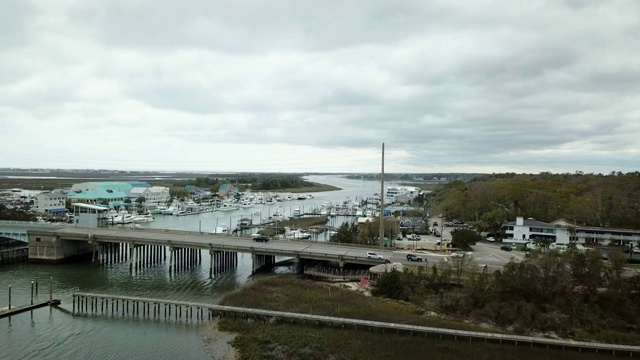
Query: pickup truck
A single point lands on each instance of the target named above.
(414, 257)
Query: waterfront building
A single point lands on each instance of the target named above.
(227, 189)
(155, 195)
(50, 203)
(407, 192)
(101, 192)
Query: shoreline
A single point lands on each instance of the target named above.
(217, 343)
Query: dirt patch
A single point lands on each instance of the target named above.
(218, 343)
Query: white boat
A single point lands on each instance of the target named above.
(122, 219)
(220, 230)
(143, 218)
(228, 207)
(297, 234)
(170, 210)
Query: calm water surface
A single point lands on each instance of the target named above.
(52, 334)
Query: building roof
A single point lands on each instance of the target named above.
(51, 195)
(157, 189)
(138, 190)
(533, 222)
(225, 187)
(89, 206)
(97, 194)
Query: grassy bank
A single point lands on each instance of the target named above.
(288, 341)
(309, 189)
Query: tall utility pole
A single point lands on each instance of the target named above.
(382, 202)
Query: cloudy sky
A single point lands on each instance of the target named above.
(281, 86)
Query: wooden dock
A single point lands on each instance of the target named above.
(20, 309)
(158, 309)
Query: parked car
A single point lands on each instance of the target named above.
(261, 238)
(458, 255)
(372, 255)
(443, 241)
(636, 250)
(414, 257)
(506, 248)
(491, 239)
(414, 237)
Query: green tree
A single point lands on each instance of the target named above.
(464, 238)
(346, 234)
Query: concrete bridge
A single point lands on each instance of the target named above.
(17, 230)
(141, 247)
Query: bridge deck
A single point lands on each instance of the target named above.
(192, 239)
(385, 326)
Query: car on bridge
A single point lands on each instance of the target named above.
(414, 257)
(372, 255)
(261, 238)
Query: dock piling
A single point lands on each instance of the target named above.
(9, 297)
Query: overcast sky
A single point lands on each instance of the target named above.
(297, 86)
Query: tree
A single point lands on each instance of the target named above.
(464, 238)
(141, 200)
(346, 234)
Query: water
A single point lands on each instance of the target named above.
(50, 333)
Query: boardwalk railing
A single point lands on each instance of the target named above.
(335, 274)
(130, 306)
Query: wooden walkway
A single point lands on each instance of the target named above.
(20, 309)
(90, 303)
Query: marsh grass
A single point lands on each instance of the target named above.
(279, 340)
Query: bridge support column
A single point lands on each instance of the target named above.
(341, 264)
(130, 251)
(171, 261)
(211, 252)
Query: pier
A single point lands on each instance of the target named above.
(11, 311)
(169, 310)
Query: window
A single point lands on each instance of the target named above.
(38, 239)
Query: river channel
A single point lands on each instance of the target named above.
(52, 334)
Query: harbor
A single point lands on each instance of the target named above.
(58, 334)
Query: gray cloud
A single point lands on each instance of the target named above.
(300, 86)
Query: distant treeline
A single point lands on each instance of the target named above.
(254, 182)
(273, 182)
(587, 199)
(415, 177)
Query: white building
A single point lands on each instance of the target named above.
(600, 235)
(394, 191)
(523, 231)
(559, 232)
(50, 203)
(154, 195)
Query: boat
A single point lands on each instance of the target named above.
(220, 230)
(143, 218)
(170, 210)
(122, 219)
(297, 234)
(228, 207)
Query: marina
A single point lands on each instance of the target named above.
(57, 334)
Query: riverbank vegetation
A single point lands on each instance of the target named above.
(573, 294)
(15, 214)
(294, 341)
(586, 199)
